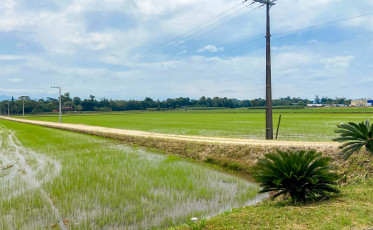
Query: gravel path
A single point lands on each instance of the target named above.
(220, 140)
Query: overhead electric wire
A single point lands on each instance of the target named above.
(255, 40)
(178, 37)
(221, 25)
(192, 62)
(245, 44)
(191, 30)
(200, 25)
(282, 33)
(323, 24)
(201, 32)
(204, 32)
(290, 31)
(300, 29)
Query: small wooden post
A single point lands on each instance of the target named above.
(278, 126)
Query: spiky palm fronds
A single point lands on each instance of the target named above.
(299, 174)
(355, 137)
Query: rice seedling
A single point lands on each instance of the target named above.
(76, 181)
(301, 124)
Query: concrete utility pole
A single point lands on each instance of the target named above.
(23, 105)
(60, 107)
(269, 118)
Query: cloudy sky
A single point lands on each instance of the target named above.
(124, 49)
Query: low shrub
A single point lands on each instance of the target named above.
(303, 175)
(234, 167)
(355, 136)
(210, 160)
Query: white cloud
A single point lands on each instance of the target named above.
(290, 14)
(19, 91)
(313, 42)
(210, 48)
(111, 61)
(15, 80)
(337, 62)
(288, 60)
(11, 57)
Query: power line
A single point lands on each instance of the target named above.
(282, 33)
(194, 28)
(201, 32)
(198, 33)
(300, 29)
(278, 34)
(195, 61)
(167, 45)
(323, 24)
(245, 44)
(222, 24)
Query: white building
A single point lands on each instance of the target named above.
(315, 105)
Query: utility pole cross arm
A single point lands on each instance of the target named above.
(265, 2)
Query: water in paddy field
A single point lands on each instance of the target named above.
(116, 187)
(22, 172)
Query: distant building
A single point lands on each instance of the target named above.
(315, 105)
(370, 103)
(67, 108)
(362, 102)
(339, 105)
(64, 108)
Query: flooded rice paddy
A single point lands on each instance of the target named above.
(52, 178)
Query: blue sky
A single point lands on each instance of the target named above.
(121, 49)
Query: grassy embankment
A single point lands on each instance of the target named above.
(300, 124)
(98, 183)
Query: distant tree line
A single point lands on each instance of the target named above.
(330, 101)
(103, 104)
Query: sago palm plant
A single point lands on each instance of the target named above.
(301, 174)
(355, 137)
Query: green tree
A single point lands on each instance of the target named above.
(317, 99)
(92, 98)
(77, 101)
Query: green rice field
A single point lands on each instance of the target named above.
(297, 124)
(54, 179)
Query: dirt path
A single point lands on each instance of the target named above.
(220, 140)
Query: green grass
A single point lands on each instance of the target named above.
(310, 124)
(98, 183)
